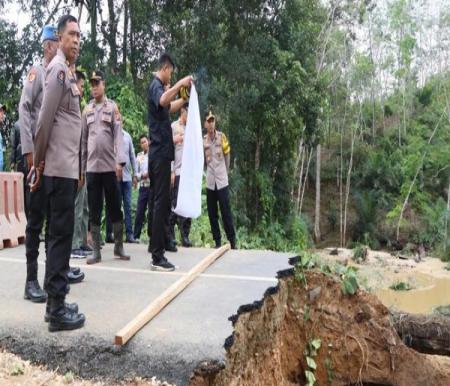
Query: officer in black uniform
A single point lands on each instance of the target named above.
(160, 103)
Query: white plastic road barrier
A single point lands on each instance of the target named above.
(189, 200)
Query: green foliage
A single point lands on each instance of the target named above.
(276, 73)
(306, 262)
(310, 352)
(348, 275)
(68, 377)
(401, 286)
(360, 253)
(442, 310)
(17, 370)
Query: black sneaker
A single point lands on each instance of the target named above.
(171, 247)
(131, 240)
(77, 254)
(86, 249)
(163, 265)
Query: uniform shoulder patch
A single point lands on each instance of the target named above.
(225, 144)
(31, 75)
(61, 77)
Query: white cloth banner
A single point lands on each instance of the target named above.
(189, 200)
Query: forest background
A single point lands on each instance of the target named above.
(337, 111)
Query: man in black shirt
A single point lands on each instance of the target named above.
(161, 102)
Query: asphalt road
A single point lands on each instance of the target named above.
(190, 329)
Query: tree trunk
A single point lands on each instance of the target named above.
(317, 234)
(131, 9)
(301, 155)
(299, 158)
(111, 36)
(347, 189)
(125, 39)
(257, 195)
(428, 334)
(446, 220)
(304, 181)
(93, 16)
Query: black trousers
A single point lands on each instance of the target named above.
(60, 193)
(222, 197)
(141, 209)
(159, 206)
(184, 223)
(26, 190)
(37, 210)
(99, 185)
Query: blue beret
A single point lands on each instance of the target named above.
(49, 33)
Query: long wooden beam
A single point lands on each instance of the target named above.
(157, 305)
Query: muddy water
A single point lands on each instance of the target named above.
(430, 293)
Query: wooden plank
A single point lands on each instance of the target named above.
(156, 306)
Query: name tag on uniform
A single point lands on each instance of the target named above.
(107, 116)
(74, 88)
(90, 118)
(218, 150)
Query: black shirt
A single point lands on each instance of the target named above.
(160, 130)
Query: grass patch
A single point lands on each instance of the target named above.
(401, 286)
(442, 310)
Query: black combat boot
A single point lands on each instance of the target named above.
(96, 256)
(34, 292)
(233, 243)
(184, 231)
(70, 307)
(171, 244)
(118, 241)
(218, 243)
(61, 318)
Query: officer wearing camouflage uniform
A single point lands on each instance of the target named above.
(57, 169)
(217, 159)
(29, 107)
(103, 160)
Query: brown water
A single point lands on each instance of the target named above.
(431, 292)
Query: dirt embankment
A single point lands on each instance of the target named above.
(316, 334)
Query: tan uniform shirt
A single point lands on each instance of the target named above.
(142, 168)
(177, 128)
(30, 105)
(58, 134)
(217, 158)
(102, 138)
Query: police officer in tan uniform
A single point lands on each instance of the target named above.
(103, 160)
(217, 159)
(184, 223)
(29, 107)
(57, 160)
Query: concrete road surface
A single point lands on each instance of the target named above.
(190, 329)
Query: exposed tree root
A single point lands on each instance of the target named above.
(428, 334)
(358, 341)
